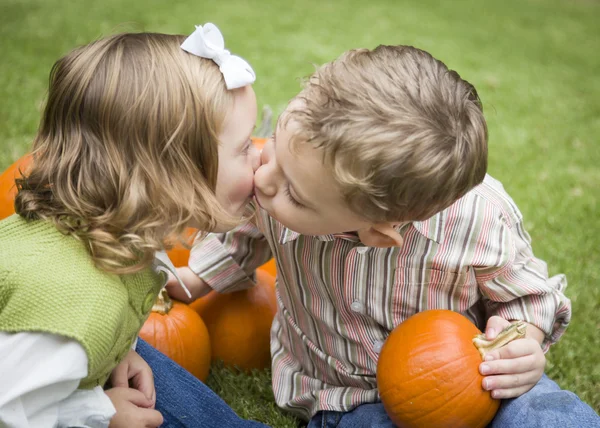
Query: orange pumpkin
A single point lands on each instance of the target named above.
(239, 323)
(259, 142)
(177, 331)
(180, 255)
(8, 190)
(270, 267)
(428, 373)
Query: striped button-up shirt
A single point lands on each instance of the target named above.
(338, 300)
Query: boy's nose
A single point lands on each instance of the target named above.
(263, 180)
(265, 177)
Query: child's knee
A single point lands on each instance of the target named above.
(543, 406)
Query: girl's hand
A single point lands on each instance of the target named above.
(135, 372)
(132, 409)
(515, 368)
(194, 284)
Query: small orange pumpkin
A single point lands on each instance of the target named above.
(8, 190)
(428, 373)
(177, 331)
(239, 323)
(180, 255)
(259, 142)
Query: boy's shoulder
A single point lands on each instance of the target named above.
(488, 200)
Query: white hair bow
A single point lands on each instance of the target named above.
(208, 42)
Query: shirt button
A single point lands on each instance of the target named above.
(377, 346)
(362, 250)
(356, 306)
(148, 302)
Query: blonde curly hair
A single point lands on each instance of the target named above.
(126, 153)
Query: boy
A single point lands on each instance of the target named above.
(373, 198)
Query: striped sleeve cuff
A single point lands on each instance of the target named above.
(550, 311)
(211, 261)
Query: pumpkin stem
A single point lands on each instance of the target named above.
(265, 130)
(163, 303)
(510, 333)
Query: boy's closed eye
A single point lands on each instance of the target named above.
(291, 197)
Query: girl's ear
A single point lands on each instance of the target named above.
(382, 235)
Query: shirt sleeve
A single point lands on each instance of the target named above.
(227, 261)
(515, 284)
(44, 371)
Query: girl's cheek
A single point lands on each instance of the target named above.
(244, 188)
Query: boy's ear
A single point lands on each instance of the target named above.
(382, 235)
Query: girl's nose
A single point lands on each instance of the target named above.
(255, 154)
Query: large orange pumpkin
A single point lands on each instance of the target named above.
(428, 373)
(8, 189)
(239, 323)
(177, 331)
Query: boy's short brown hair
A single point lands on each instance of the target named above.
(403, 136)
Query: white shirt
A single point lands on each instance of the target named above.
(39, 375)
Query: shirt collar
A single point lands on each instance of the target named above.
(163, 264)
(432, 228)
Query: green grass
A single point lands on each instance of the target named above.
(534, 62)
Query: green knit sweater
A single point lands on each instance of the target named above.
(49, 284)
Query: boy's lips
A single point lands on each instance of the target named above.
(258, 195)
(256, 198)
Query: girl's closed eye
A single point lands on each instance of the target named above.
(291, 198)
(247, 147)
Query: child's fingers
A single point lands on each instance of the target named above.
(153, 418)
(136, 397)
(509, 366)
(119, 376)
(494, 326)
(176, 292)
(500, 394)
(515, 349)
(510, 381)
(144, 382)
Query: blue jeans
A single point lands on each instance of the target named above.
(183, 400)
(544, 406)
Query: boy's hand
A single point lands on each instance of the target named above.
(132, 409)
(194, 284)
(135, 370)
(515, 368)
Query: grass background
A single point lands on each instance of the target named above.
(536, 65)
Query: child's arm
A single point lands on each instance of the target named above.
(39, 374)
(514, 285)
(224, 262)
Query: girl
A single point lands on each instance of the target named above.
(141, 137)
